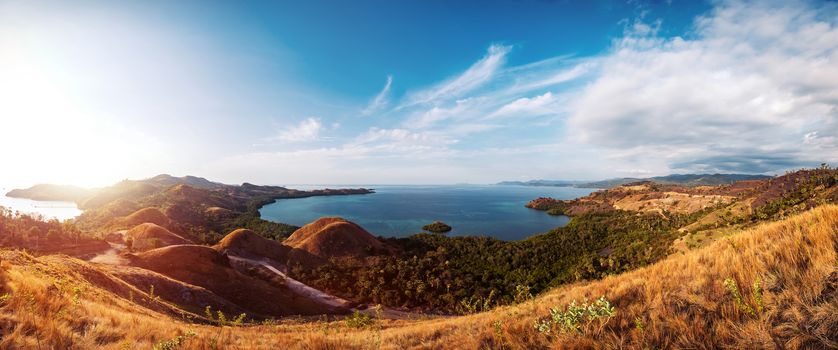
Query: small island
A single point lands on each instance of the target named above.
(437, 227)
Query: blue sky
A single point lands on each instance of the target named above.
(415, 92)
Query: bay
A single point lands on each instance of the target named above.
(399, 211)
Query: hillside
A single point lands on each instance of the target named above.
(773, 285)
(261, 295)
(689, 180)
(48, 192)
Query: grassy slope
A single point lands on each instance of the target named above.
(680, 302)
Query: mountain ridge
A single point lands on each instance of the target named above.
(691, 180)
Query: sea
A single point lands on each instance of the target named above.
(48, 209)
(399, 211)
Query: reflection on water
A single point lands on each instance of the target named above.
(58, 210)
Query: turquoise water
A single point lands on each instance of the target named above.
(399, 211)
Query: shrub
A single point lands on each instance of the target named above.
(570, 319)
(358, 320)
(756, 295)
(174, 343)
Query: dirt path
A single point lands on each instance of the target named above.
(297, 286)
(110, 256)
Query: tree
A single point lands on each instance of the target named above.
(54, 235)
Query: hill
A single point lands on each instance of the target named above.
(556, 183)
(689, 180)
(48, 192)
(262, 296)
(249, 244)
(243, 243)
(167, 180)
(770, 286)
(144, 215)
(335, 238)
(150, 236)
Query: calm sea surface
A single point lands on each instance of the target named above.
(58, 210)
(399, 211)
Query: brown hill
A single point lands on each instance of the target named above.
(219, 213)
(149, 236)
(335, 237)
(151, 215)
(249, 244)
(204, 266)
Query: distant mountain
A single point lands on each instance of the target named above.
(556, 183)
(690, 180)
(86, 198)
(48, 192)
(194, 181)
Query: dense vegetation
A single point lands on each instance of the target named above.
(447, 274)
(34, 233)
(191, 219)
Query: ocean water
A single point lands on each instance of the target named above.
(399, 211)
(48, 209)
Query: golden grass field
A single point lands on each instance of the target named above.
(56, 302)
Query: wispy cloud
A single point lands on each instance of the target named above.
(306, 130)
(381, 100)
(538, 105)
(475, 76)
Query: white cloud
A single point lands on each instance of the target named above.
(524, 106)
(400, 135)
(306, 130)
(381, 100)
(755, 79)
(478, 74)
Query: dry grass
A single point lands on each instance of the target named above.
(674, 202)
(681, 302)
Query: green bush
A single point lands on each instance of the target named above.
(358, 320)
(576, 318)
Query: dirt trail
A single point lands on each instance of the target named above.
(297, 286)
(110, 256)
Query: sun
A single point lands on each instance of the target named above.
(50, 133)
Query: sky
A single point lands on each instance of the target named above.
(414, 92)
